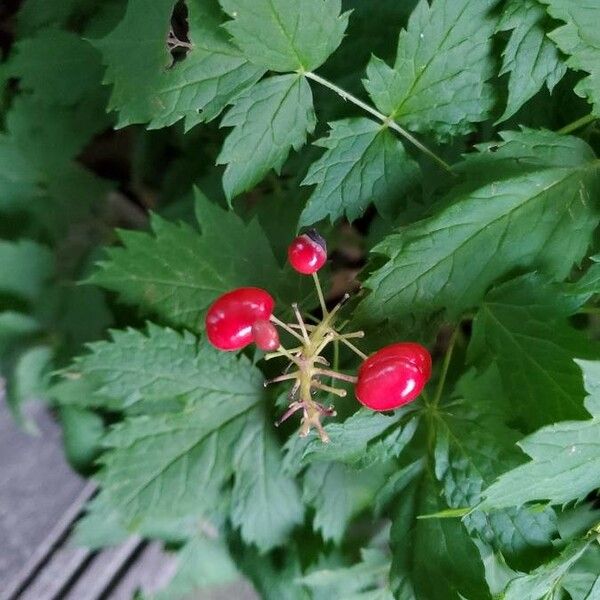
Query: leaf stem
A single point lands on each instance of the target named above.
(445, 366)
(577, 124)
(387, 121)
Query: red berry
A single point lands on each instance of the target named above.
(393, 376)
(308, 252)
(265, 335)
(230, 319)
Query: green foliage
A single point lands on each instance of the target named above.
(482, 244)
(438, 82)
(363, 161)
(578, 38)
(530, 57)
(283, 35)
(565, 463)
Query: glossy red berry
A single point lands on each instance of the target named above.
(393, 376)
(230, 319)
(265, 335)
(308, 252)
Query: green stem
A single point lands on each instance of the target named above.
(320, 294)
(577, 124)
(389, 122)
(445, 366)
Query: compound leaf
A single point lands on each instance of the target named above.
(268, 121)
(438, 82)
(285, 35)
(364, 163)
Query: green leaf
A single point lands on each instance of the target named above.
(177, 464)
(161, 366)
(265, 503)
(522, 327)
(530, 57)
(284, 35)
(565, 463)
(57, 66)
(472, 448)
(438, 82)
(546, 581)
(338, 493)
(268, 121)
(26, 268)
(526, 203)
(362, 439)
(580, 39)
(364, 163)
(202, 564)
(148, 87)
(589, 284)
(177, 273)
(432, 558)
(363, 580)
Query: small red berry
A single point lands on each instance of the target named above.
(230, 318)
(265, 335)
(393, 376)
(308, 252)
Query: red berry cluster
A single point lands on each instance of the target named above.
(388, 379)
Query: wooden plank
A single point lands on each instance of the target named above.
(39, 495)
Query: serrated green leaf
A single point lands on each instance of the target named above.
(148, 87)
(363, 580)
(58, 66)
(338, 493)
(438, 82)
(565, 463)
(472, 448)
(284, 35)
(432, 558)
(364, 163)
(176, 464)
(362, 439)
(268, 121)
(580, 39)
(546, 579)
(202, 564)
(526, 203)
(529, 56)
(521, 326)
(178, 273)
(26, 268)
(161, 366)
(265, 502)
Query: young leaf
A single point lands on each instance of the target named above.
(580, 39)
(148, 87)
(521, 326)
(159, 367)
(565, 463)
(438, 82)
(526, 203)
(265, 503)
(530, 57)
(178, 273)
(268, 120)
(202, 564)
(364, 163)
(26, 268)
(285, 35)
